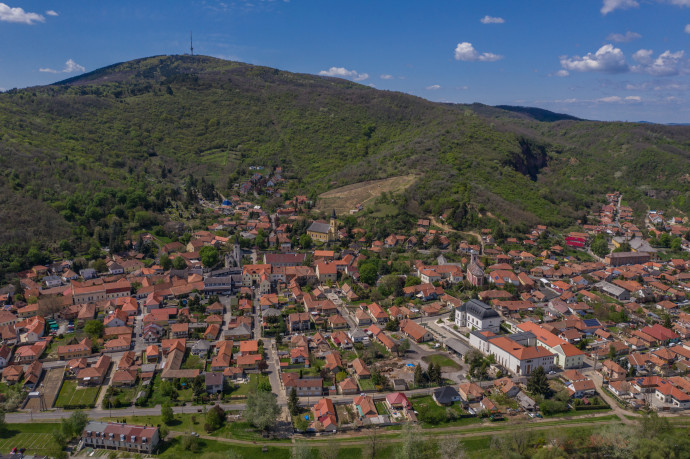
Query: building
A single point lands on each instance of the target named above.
(475, 273)
(627, 258)
(477, 315)
(324, 232)
(567, 355)
(123, 437)
(510, 352)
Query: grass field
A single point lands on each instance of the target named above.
(36, 438)
(366, 384)
(345, 198)
(72, 395)
(441, 359)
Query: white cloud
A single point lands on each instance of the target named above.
(607, 59)
(51, 13)
(491, 20)
(70, 67)
(624, 37)
(18, 15)
(612, 5)
(680, 2)
(342, 72)
(667, 63)
(433, 87)
(619, 100)
(687, 28)
(386, 77)
(643, 56)
(562, 73)
(466, 52)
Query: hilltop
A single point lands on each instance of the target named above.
(104, 154)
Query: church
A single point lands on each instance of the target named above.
(323, 232)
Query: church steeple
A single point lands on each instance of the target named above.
(334, 225)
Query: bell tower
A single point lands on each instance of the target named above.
(334, 227)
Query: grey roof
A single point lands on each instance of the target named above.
(319, 227)
(241, 329)
(456, 345)
(446, 394)
(271, 312)
(214, 379)
(610, 288)
(478, 309)
(201, 344)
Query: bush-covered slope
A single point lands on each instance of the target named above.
(97, 156)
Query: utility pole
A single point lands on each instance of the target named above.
(191, 44)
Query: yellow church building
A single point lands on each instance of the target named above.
(323, 232)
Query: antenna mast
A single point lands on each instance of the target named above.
(191, 44)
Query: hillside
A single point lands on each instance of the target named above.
(102, 155)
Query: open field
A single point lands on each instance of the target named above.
(73, 396)
(345, 198)
(50, 386)
(441, 359)
(35, 437)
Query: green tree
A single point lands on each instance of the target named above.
(538, 383)
(215, 418)
(167, 415)
(293, 402)
(94, 328)
(179, 263)
(368, 273)
(305, 241)
(403, 347)
(612, 352)
(420, 378)
(262, 410)
(600, 246)
(165, 262)
(209, 256)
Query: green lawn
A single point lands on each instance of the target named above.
(35, 437)
(429, 409)
(244, 389)
(73, 396)
(184, 422)
(157, 398)
(443, 360)
(366, 384)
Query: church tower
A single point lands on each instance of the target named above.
(334, 227)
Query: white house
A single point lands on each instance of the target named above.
(477, 315)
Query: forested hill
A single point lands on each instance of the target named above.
(101, 155)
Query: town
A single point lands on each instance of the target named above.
(350, 333)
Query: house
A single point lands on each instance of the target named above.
(477, 315)
(303, 387)
(33, 374)
(73, 351)
(27, 354)
(95, 374)
(124, 378)
(348, 387)
(249, 362)
(362, 318)
(123, 437)
(239, 333)
(179, 330)
(415, 331)
(446, 395)
(397, 401)
(470, 392)
(487, 405)
(12, 374)
(377, 313)
(298, 321)
(612, 370)
(325, 415)
(364, 406)
(213, 383)
(582, 388)
(5, 355)
(327, 271)
(667, 393)
(360, 369)
(201, 348)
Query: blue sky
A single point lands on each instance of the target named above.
(598, 59)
